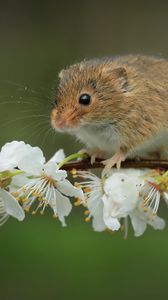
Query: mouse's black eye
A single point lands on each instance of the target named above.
(85, 99)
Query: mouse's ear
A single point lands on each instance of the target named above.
(119, 77)
(62, 74)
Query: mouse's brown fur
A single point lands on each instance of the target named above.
(129, 103)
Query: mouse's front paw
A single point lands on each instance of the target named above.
(93, 154)
(116, 159)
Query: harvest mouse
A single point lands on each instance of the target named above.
(115, 106)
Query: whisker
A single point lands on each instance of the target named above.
(38, 119)
(26, 89)
(53, 132)
(18, 102)
(5, 96)
(21, 99)
(23, 118)
(53, 135)
(37, 132)
(45, 137)
(20, 86)
(14, 83)
(34, 111)
(34, 124)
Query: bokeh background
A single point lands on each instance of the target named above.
(38, 258)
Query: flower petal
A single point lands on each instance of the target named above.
(157, 223)
(165, 197)
(121, 187)
(68, 189)
(51, 169)
(18, 154)
(12, 207)
(9, 155)
(60, 175)
(32, 161)
(138, 225)
(110, 221)
(64, 207)
(136, 175)
(58, 156)
(98, 222)
(122, 194)
(19, 180)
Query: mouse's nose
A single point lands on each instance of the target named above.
(65, 120)
(58, 121)
(61, 122)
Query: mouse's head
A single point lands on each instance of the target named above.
(89, 93)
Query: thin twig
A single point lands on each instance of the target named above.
(86, 164)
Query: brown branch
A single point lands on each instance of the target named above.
(86, 164)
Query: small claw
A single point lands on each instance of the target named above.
(84, 151)
(115, 160)
(106, 171)
(96, 154)
(92, 159)
(93, 154)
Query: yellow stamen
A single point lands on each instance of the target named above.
(27, 208)
(73, 171)
(55, 216)
(77, 202)
(86, 212)
(87, 190)
(25, 199)
(153, 216)
(15, 194)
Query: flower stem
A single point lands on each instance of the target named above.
(131, 163)
(8, 174)
(72, 157)
(16, 173)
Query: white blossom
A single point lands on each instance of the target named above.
(42, 181)
(110, 199)
(9, 206)
(17, 154)
(93, 193)
(140, 219)
(50, 187)
(120, 197)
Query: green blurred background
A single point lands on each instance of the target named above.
(38, 258)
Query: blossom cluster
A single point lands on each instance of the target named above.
(30, 180)
(30, 184)
(123, 195)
